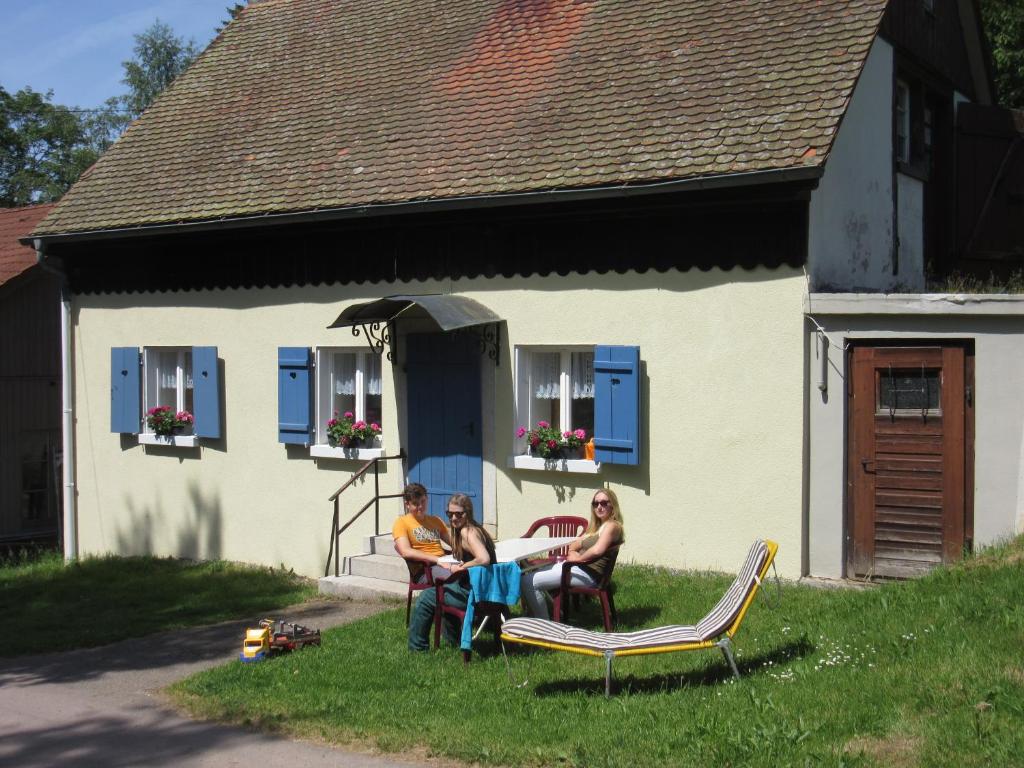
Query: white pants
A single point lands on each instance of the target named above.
(536, 583)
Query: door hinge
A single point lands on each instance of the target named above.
(969, 395)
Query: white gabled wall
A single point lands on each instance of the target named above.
(851, 238)
(722, 358)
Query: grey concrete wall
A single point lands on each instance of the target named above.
(996, 324)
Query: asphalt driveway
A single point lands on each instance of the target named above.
(101, 706)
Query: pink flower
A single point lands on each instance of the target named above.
(359, 425)
(581, 434)
(567, 434)
(552, 444)
(348, 415)
(521, 431)
(543, 424)
(184, 416)
(332, 422)
(535, 441)
(375, 426)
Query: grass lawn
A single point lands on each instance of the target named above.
(52, 606)
(923, 673)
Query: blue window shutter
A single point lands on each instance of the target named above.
(294, 395)
(617, 405)
(125, 390)
(205, 392)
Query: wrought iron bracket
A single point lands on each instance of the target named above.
(488, 337)
(378, 336)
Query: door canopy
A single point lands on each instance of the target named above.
(376, 319)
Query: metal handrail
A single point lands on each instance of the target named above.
(334, 550)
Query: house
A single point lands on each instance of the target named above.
(669, 223)
(30, 427)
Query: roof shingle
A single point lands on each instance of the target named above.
(16, 223)
(302, 105)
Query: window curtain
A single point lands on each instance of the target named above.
(582, 375)
(344, 374)
(372, 375)
(546, 373)
(167, 364)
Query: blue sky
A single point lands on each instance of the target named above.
(75, 47)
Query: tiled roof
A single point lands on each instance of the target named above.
(16, 223)
(302, 105)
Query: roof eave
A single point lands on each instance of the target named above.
(810, 173)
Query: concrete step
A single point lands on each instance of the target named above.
(362, 588)
(387, 567)
(379, 545)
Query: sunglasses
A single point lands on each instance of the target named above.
(456, 513)
(600, 503)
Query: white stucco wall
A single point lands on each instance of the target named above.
(722, 355)
(996, 324)
(850, 239)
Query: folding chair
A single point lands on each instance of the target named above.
(713, 631)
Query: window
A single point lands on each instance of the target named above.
(347, 382)
(40, 478)
(561, 389)
(902, 118)
(308, 395)
(182, 378)
(596, 389)
(168, 381)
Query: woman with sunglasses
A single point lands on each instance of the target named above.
(471, 545)
(590, 555)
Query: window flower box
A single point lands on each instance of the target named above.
(579, 466)
(361, 453)
(175, 441)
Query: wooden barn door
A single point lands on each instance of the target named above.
(909, 458)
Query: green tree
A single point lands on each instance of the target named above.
(1004, 27)
(44, 148)
(232, 11)
(160, 56)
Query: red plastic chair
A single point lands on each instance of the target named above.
(495, 613)
(603, 591)
(419, 579)
(560, 525)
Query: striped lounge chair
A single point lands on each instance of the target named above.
(713, 631)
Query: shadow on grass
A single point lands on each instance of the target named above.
(663, 683)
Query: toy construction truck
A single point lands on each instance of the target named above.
(276, 636)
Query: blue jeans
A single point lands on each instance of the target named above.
(421, 623)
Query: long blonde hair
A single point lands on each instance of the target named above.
(616, 514)
(463, 502)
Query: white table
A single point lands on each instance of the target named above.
(509, 550)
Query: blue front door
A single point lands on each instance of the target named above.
(443, 396)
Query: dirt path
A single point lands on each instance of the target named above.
(101, 706)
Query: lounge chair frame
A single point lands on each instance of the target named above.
(721, 640)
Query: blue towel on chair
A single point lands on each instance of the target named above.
(495, 583)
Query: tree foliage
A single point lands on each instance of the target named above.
(160, 56)
(1004, 27)
(232, 11)
(44, 148)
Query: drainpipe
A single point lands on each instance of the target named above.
(67, 426)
